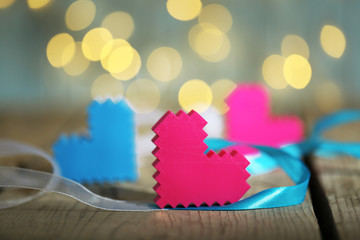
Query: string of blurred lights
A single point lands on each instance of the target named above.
(109, 45)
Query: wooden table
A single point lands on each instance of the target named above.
(332, 205)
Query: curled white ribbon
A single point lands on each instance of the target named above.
(15, 177)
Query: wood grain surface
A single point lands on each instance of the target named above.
(340, 179)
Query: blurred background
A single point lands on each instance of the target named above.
(173, 54)
(159, 55)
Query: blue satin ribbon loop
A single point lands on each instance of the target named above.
(328, 148)
(333, 120)
(331, 149)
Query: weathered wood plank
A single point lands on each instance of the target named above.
(340, 178)
(55, 216)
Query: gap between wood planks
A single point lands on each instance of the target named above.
(321, 204)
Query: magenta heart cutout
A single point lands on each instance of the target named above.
(249, 119)
(185, 174)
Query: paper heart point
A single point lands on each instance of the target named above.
(185, 174)
(249, 119)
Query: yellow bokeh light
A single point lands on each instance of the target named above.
(273, 71)
(105, 86)
(221, 54)
(332, 41)
(206, 39)
(35, 4)
(297, 71)
(216, 15)
(78, 63)
(132, 70)
(195, 94)
(117, 56)
(60, 49)
(328, 97)
(6, 3)
(294, 44)
(120, 24)
(120, 59)
(184, 10)
(80, 15)
(164, 64)
(143, 96)
(109, 48)
(220, 91)
(94, 41)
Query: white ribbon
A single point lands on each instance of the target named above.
(15, 177)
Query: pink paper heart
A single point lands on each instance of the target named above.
(185, 175)
(249, 119)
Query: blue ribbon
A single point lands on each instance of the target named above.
(332, 148)
(288, 158)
